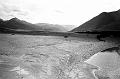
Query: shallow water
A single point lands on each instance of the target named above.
(106, 61)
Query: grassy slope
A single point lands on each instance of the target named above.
(33, 52)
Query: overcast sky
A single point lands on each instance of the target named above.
(73, 12)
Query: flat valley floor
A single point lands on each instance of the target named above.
(48, 57)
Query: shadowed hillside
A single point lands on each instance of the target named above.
(105, 21)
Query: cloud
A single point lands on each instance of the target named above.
(9, 11)
(59, 11)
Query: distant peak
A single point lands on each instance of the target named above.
(1, 19)
(118, 10)
(104, 12)
(15, 19)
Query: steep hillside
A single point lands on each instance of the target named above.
(114, 26)
(105, 20)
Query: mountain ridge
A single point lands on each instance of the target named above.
(104, 20)
(18, 24)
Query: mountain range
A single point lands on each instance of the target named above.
(51, 27)
(106, 21)
(17, 24)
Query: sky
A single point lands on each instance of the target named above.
(73, 12)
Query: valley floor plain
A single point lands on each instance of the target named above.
(41, 56)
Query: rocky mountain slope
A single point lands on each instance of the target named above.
(105, 21)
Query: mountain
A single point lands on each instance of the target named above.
(55, 27)
(1, 20)
(104, 21)
(114, 26)
(51, 27)
(18, 24)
